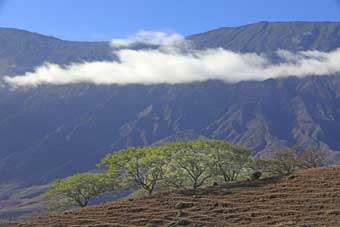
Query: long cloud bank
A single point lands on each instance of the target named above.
(174, 61)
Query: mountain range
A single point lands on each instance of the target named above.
(53, 131)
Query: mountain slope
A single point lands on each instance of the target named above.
(89, 121)
(311, 198)
(54, 131)
(66, 122)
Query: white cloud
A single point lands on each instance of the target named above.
(170, 64)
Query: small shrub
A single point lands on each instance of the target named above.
(291, 177)
(182, 205)
(256, 175)
(183, 222)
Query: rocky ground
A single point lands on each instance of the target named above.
(305, 199)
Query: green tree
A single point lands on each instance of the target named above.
(174, 178)
(190, 162)
(230, 160)
(141, 166)
(79, 188)
(312, 158)
(176, 165)
(266, 166)
(280, 163)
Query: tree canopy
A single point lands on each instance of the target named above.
(79, 188)
(179, 165)
(313, 158)
(143, 166)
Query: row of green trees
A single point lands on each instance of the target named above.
(177, 165)
(285, 162)
(185, 164)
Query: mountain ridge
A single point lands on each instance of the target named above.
(21, 30)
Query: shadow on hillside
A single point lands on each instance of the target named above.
(224, 189)
(250, 183)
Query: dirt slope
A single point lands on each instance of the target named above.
(310, 198)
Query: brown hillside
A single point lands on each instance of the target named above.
(310, 198)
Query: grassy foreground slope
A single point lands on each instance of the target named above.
(308, 198)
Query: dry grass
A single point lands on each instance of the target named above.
(311, 198)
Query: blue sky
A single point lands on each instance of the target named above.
(107, 19)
